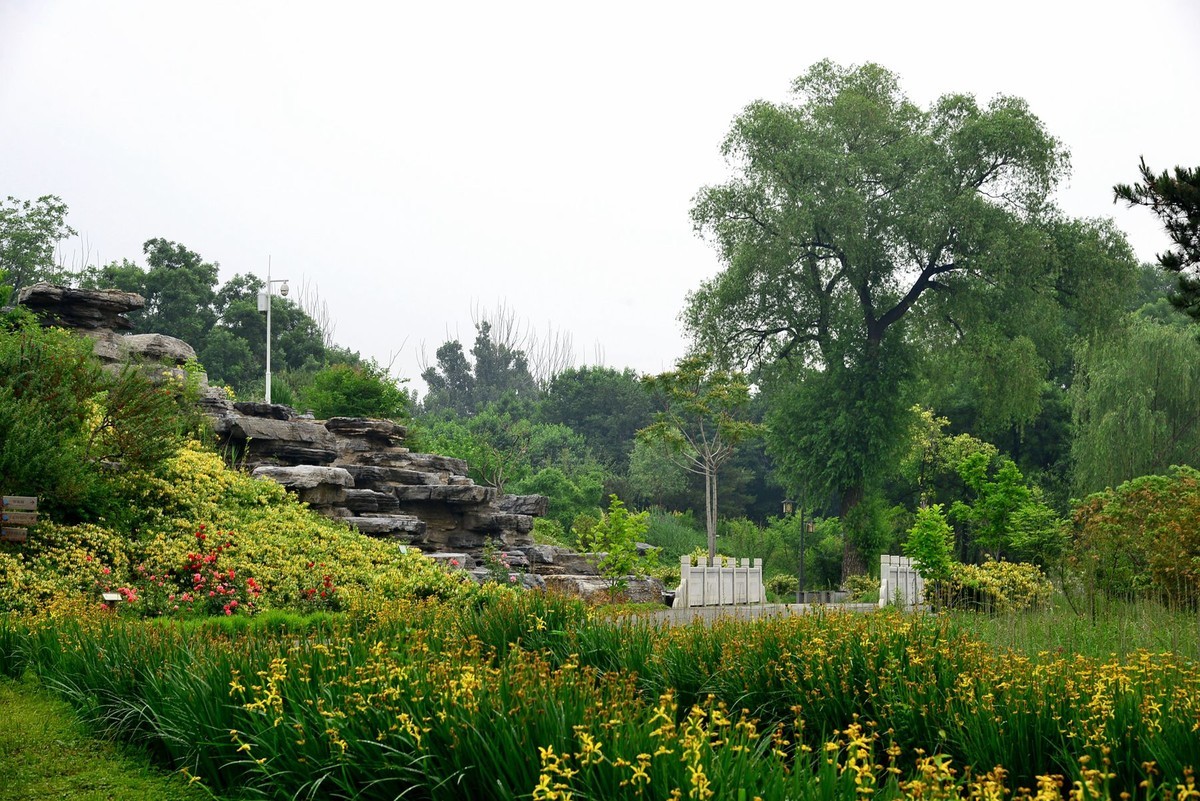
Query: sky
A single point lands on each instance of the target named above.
(415, 163)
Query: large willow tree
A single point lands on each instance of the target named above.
(851, 215)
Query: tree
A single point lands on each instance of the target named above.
(606, 407)
(458, 385)
(700, 423)
(930, 544)
(178, 285)
(1134, 404)
(29, 232)
(850, 211)
(616, 536)
(1175, 199)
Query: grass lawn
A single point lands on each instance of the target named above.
(46, 753)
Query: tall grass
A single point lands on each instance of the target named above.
(1123, 629)
(529, 696)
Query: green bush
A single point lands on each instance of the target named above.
(292, 553)
(354, 390)
(71, 432)
(1142, 538)
(784, 585)
(862, 589)
(675, 533)
(930, 544)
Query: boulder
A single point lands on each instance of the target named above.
(158, 348)
(497, 521)
(289, 442)
(432, 463)
(270, 411)
(80, 309)
(556, 560)
(383, 431)
(637, 590)
(388, 525)
(317, 486)
(305, 476)
(368, 501)
(462, 495)
(535, 505)
(379, 477)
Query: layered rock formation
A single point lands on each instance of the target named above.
(352, 469)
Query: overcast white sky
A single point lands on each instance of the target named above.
(416, 160)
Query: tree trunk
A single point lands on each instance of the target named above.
(854, 563)
(710, 510)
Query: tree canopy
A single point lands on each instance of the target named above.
(856, 226)
(29, 232)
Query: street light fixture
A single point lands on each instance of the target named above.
(264, 304)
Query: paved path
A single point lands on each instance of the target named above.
(708, 614)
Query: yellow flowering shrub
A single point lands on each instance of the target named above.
(999, 586)
(296, 557)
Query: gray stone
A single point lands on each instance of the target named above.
(80, 309)
(433, 463)
(535, 505)
(462, 561)
(391, 524)
(107, 346)
(156, 348)
(305, 476)
(556, 560)
(384, 431)
(366, 501)
(643, 590)
(468, 495)
(497, 521)
(374, 476)
(285, 441)
(271, 411)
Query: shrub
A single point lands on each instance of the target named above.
(66, 424)
(862, 589)
(348, 390)
(616, 535)
(675, 533)
(930, 544)
(997, 587)
(293, 554)
(784, 585)
(1142, 538)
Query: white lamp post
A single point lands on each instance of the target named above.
(264, 304)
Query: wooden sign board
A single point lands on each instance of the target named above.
(14, 534)
(28, 502)
(19, 518)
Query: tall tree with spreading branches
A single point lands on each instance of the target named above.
(852, 217)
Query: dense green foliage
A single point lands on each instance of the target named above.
(66, 425)
(353, 390)
(1142, 539)
(29, 232)
(858, 227)
(1134, 404)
